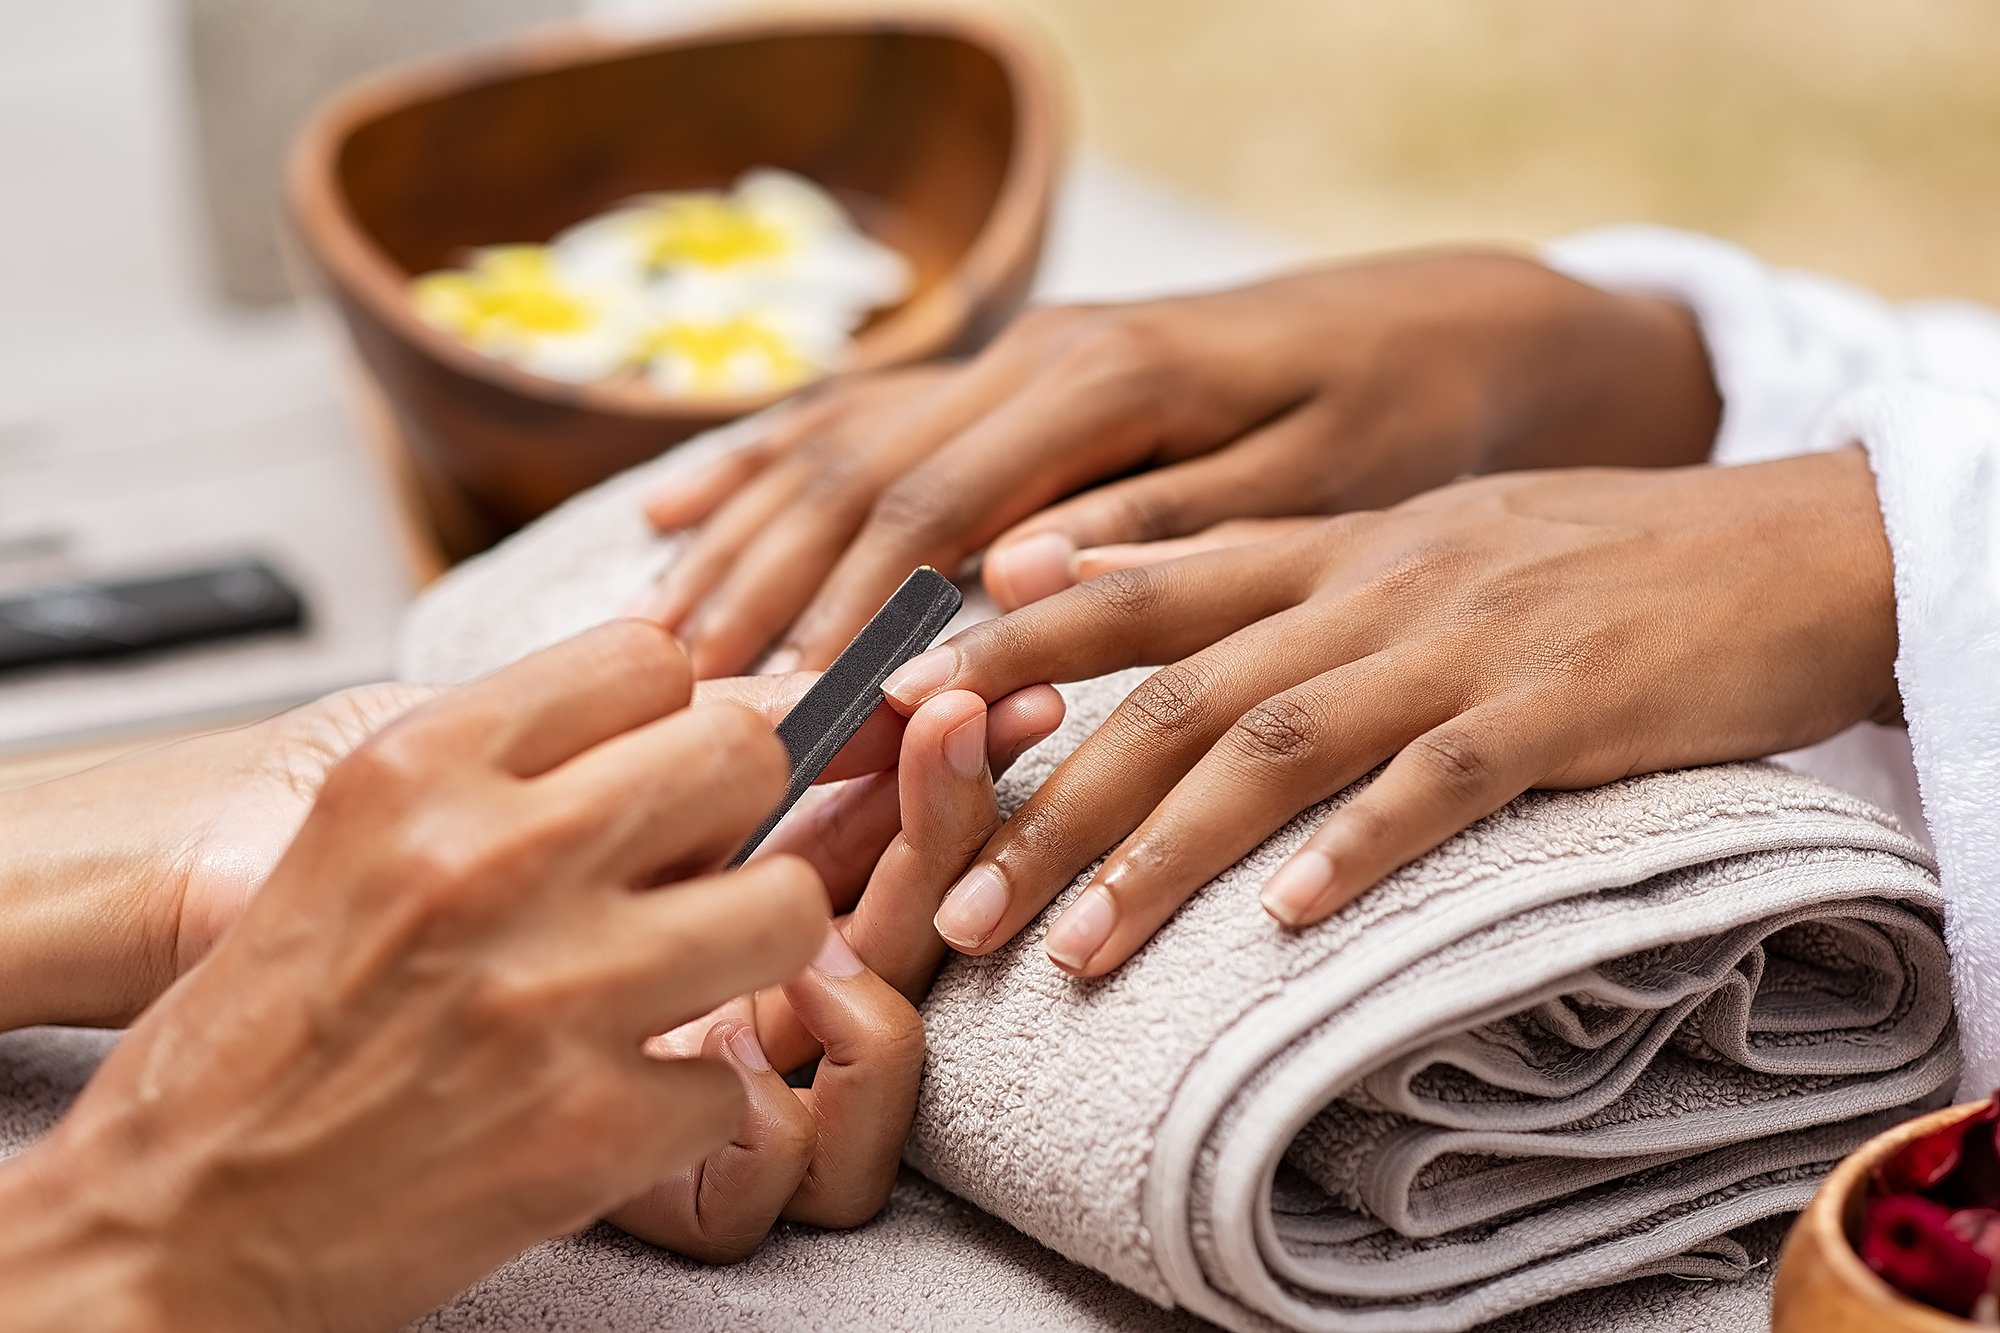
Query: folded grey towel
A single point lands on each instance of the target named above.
(930, 1264)
(1580, 1044)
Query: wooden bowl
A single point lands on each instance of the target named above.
(937, 131)
(1823, 1287)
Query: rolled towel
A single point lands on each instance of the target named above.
(1579, 1044)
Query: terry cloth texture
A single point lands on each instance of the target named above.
(929, 1264)
(1578, 1045)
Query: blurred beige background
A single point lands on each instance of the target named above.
(1860, 137)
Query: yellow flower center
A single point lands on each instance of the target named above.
(510, 289)
(705, 230)
(710, 350)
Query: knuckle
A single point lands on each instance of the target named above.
(900, 1042)
(920, 507)
(402, 760)
(1116, 351)
(1279, 732)
(508, 1001)
(1454, 761)
(839, 480)
(1038, 323)
(1133, 594)
(790, 1141)
(1147, 513)
(1169, 703)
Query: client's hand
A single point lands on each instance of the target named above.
(827, 1154)
(420, 1049)
(1331, 390)
(1552, 629)
(119, 879)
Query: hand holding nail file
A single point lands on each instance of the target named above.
(841, 699)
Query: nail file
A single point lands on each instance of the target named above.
(841, 699)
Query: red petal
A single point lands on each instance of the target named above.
(1928, 1162)
(1908, 1241)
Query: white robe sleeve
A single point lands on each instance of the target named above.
(1807, 363)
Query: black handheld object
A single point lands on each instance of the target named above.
(841, 700)
(77, 620)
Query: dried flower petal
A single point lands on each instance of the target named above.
(1926, 1163)
(1908, 1241)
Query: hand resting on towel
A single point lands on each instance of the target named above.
(423, 1045)
(1354, 386)
(1536, 629)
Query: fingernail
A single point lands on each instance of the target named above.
(1081, 931)
(921, 676)
(1298, 886)
(1030, 569)
(652, 604)
(835, 958)
(973, 908)
(782, 662)
(743, 1044)
(965, 746)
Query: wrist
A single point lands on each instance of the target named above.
(82, 939)
(1589, 377)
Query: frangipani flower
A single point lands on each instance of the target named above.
(516, 304)
(752, 291)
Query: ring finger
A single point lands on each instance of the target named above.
(1282, 756)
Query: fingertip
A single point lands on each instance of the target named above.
(744, 1049)
(788, 897)
(972, 911)
(1079, 934)
(712, 1102)
(1306, 889)
(1029, 568)
(920, 677)
(836, 958)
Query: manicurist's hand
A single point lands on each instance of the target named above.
(421, 1048)
(1550, 629)
(1345, 388)
(889, 845)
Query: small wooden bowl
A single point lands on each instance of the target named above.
(1823, 1287)
(939, 132)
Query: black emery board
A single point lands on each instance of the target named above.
(841, 699)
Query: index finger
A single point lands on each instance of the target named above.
(1145, 615)
(550, 706)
